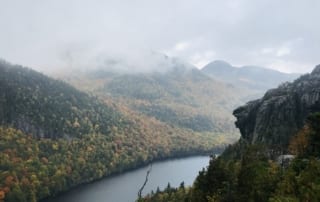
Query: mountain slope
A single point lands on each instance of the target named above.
(286, 118)
(252, 77)
(183, 96)
(54, 137)
(44, 107)
(281, 112)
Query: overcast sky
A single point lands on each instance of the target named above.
(279, 34)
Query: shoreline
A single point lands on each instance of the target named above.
(141, 166)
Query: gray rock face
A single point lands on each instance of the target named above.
(281, 112)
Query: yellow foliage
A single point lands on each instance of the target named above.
(55, 146)
(299, 143)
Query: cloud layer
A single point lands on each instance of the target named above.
(283, 35)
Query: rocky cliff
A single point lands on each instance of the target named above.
(281, 112)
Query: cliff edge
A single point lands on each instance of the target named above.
(281, 112)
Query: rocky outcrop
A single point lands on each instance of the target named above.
(281, 112)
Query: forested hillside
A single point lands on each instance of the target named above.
(261, 167)
(182, 96)
(44, 107)
(254, 177)
(54, 137)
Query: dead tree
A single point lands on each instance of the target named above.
(145, 182)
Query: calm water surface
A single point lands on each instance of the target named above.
(124, 187)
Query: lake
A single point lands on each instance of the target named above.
(124, 187)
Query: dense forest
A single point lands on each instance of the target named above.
(45, 107)
(54, 137)
(182, 96)
(256, 177)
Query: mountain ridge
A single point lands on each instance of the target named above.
(181, 92)
(54, 137)
(249, 76)
(45, 107)
(277, 157)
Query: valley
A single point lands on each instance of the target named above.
(277, 156)
(55, 137)
(159, 101)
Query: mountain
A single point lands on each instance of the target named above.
(252, 77)
(45, 107)
(54, 137)
(285, 118)
(182, 96)
(281, 112)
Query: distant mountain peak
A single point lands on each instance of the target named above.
(250, 76)
(218, 63)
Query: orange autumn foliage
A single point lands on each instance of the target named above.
(2, 195)
(9, 180)
(300, 142)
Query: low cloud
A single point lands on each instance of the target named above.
(51, 34)
(182, 46)
(283, 51)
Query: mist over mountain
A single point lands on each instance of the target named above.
(177, 93)
(54, 136)
(277, 157)
(180, 95)
(90, 89)
(252, 77)
(123, 62)
(45, 107)
(117, 119)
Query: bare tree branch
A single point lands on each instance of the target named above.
(145, 182)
